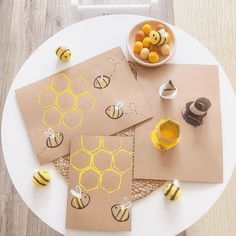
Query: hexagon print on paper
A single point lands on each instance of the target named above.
(80, 160)
(60, 82)
(111, 181)
(78, 85)
(102, 160)
(65, 101)
(123, 160)
(72, 119)
(47, 97)
(89, 179)
(52, 117)
(91, 146)
(85, 102)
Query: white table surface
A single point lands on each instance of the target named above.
(153, 215)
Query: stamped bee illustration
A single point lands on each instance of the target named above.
(80, 199)
(115, 111)
(101, 82)
(54, 139)
(120, 212)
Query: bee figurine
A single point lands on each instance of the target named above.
(172, 190)
(54, 139)
(41, 178)
(120, 212)
(80, 199)
(101, 82)
(158, 38)
(194, 111)
(63, 53)
(115, 111)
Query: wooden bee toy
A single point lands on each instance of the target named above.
(54, 139)
(120, 212)
(80, 199)
(158, 38)
(41, 178)
(172, 190)
(194, 111)
(63, 53)
(101, 82)
(115, 111)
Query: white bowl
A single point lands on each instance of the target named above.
(131, 41)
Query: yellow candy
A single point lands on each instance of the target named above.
(160, 26)
(144, 53)
(138, 46)
(153, 57)
(63, 53)
(146, 29)
(41, 178)
(153, 48)
(139, 36)
(165, 50)
(146, 42)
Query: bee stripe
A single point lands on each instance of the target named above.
(114, 110)
(168, 190)
(38, 181)
(123, 214)
(160, 37)
(80, 204)
(47, 180)
(58, 50)
(175, 193)
(163, 42)
(50, 143)
(99, 83)
(55, 140)
(118, 213)
(64, 53)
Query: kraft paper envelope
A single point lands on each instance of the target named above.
(99, 96)
(100, 183)
(198, 156)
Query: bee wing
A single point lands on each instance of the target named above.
(51, 132)
(127, 205)
(176, 182)
(75, 194)
(124, 201)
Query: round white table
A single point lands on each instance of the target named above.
(153, 215)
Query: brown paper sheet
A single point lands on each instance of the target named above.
(198, 156)
(97, 97)
(101, 170)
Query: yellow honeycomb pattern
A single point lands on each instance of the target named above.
(101, 165)
(65, 101)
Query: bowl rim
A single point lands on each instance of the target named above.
(148, 64)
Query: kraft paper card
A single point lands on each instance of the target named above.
(100, 183)
(198, 156)
(97, 97)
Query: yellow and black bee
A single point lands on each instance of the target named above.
(80, 199)
(54, 139)
(172, 190)
(158, 38)
(41, 178)
(101, 82)
(115, 111)
(120, 212)
(63, 53)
